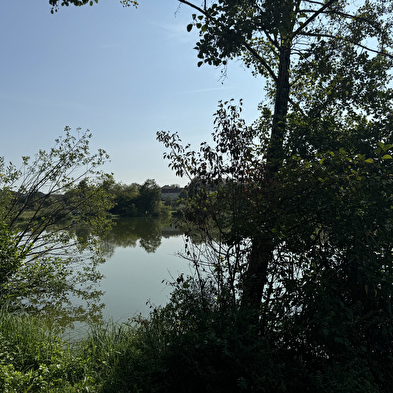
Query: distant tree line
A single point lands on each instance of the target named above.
(135, 200)
(127, 200)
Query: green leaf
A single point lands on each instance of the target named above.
(342, 151)
(384, 146)
(189, 27)
(370, 160)
(387, 157)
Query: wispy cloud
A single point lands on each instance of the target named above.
(175, 31)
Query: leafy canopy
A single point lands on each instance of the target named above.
(295, 210)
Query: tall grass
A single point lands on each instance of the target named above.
(113, 351)
(195, 343)
(33, 358)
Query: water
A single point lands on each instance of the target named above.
(140, 261)
(134, 277)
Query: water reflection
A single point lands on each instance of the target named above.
(118, 292)
(66, 309)
(145, 232)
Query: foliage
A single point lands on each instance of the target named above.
(201, 342)
(137, 200)
(33, 358)
(149, 197)
(124, 198)
(46, 204)
(295, 210)
(56, 3)
(326, 299)
(11, 257)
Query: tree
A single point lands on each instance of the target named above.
(46, 204)
(137, 200)
(299, 222)
(149, 199)
(303, 49)
(125, 197)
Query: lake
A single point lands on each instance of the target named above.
(140, 260)
(141, 257)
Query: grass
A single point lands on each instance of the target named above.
(191, 345)
(33, 357)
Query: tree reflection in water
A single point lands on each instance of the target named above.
(82, 304)
(145, 232)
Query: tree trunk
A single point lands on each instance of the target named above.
(274, 155)
(262, 248)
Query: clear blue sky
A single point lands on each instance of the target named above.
(122, 73)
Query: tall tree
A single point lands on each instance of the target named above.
(318, 61)
(149, 198)
(304, 212)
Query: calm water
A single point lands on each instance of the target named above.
(139, 263)
(140, 260)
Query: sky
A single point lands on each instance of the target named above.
(122, 73)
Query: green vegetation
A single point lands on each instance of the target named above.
(34, 359)
(295, 210)
(194, 344)
(293, 277)
(138, 200)
(45, 207)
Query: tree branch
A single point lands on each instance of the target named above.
(378, 52)
(194, 6)
(313, 17)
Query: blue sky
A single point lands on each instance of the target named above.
(122, 73)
